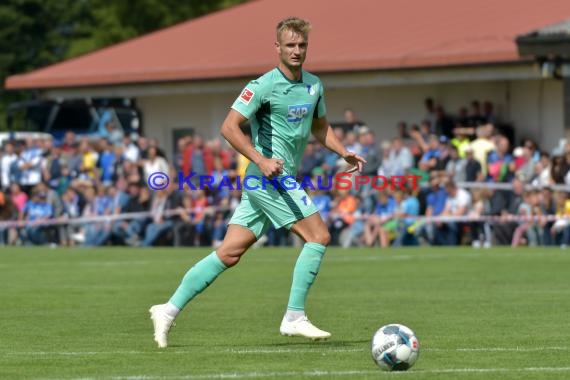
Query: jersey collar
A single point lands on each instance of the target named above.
(289, 80)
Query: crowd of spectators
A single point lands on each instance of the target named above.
(88, 185)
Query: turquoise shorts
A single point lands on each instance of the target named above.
(271, 204)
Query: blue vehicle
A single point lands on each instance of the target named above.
(85, 117)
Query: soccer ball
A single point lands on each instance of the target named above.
(395, 347)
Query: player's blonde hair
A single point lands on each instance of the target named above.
(294, 24)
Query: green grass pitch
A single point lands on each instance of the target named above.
(479, 314)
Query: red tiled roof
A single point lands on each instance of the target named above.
(348, 35)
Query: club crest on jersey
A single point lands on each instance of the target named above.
(312, 89)
(297, 112)
(246, 96)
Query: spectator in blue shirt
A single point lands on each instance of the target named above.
(36, 211)
(322, 201)
(384, 210)
(409, 207)
(432, 152)
(435, 202)
(106, 162)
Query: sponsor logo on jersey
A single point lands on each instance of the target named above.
(297, 112)
(246, 96)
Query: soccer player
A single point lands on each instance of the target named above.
(284, 106)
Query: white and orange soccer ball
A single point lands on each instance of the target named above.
(395, 347)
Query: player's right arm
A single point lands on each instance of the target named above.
(232, 132)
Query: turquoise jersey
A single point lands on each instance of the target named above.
(281, 113)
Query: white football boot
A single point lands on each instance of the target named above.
(162, 324)
(302, 327)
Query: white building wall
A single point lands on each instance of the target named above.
(536, 109)
(534, 106)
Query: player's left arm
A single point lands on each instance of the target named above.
(325, 135)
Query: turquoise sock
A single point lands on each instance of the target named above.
(198, 278)
(304, 274)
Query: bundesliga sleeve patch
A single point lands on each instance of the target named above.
(246, 96)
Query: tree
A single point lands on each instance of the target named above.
(37, 33)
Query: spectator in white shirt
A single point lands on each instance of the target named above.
(30, 164)
(399, 160)
(154, 163)
(8, 158)
(458, 204)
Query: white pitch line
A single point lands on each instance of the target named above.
(290, 350)
(317, 350)
(324, 373)
(499, 349)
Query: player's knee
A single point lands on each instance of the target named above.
(230, 256)
(321, 237)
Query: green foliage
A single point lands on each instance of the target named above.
(121, 20)
(37, 33)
